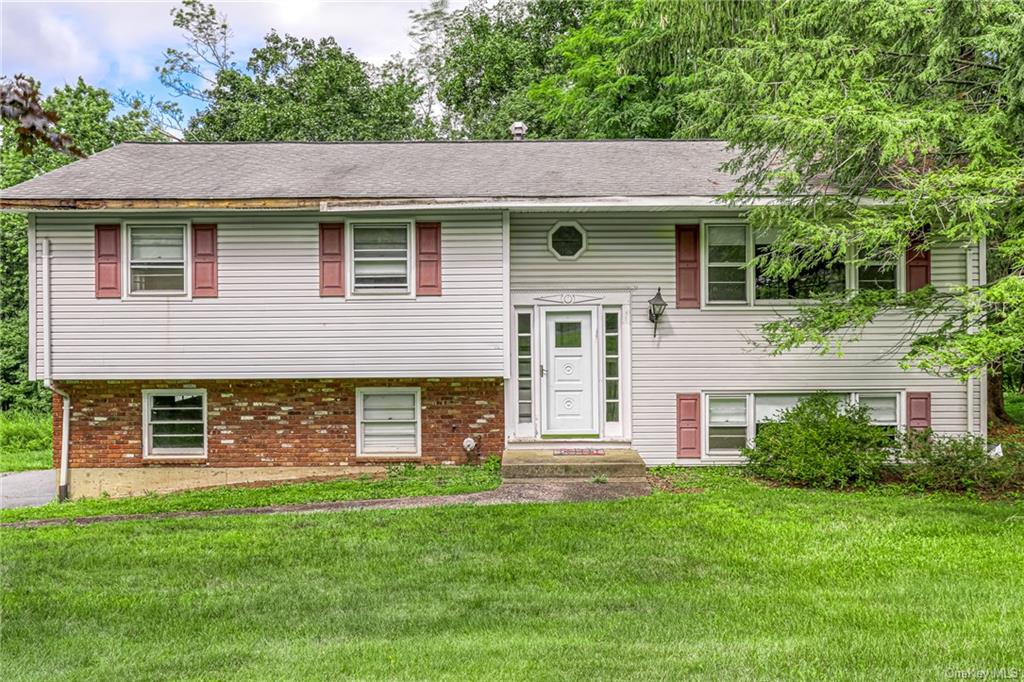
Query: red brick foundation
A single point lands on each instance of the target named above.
(287, 422)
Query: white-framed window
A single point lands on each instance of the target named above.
(729, 245)
(877, 275)
(612, 363)
(388, 422)
(174, 423)
(524, 357)
(727, 423)
(567, 240)
(726, 255)
(157, 262)
(732, 418)
(381, 257)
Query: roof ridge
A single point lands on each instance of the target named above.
(200, 143)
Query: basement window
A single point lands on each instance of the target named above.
(174, 422)
(388, 422)
(733, 419)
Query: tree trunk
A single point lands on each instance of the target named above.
(997, 415)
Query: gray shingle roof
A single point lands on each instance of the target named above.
(287, 170)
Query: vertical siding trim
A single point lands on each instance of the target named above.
(33, 285)
(687, 266)
(919, 264)
(506, 307)
(428, 259)
(688, 426)
(332, 259)
(108, 261)
(204, 261)
(919, 410)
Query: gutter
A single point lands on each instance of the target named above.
(65, 398)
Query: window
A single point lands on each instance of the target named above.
(156, 259)
(732, 423)
(728, 247)
(380, 257)
(174, 423)
(524, 354)
(568, 335)
(877, 275)
(388, 421)
(727, 254)
(727, 423)
(770, 406)
(884, 408)
(611, 366)
(824, 278)
(567, 241)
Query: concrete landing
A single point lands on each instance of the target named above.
(615, 464)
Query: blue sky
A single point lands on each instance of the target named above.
(117, 44)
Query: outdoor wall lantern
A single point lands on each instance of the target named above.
(655, 309)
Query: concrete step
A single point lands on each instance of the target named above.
(618, 464)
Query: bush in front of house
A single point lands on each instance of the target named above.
(822, 442)
(22, 430)
(929, 462)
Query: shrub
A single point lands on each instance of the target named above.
(823, 442)
(25, 431)
(960, 464)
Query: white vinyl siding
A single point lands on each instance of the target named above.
(712, 349)
(381, 258)
(388, 422)
(269, 320)
(174, 423)
(156, 258)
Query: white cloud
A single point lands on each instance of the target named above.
(117, 44)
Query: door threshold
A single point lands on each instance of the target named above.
(554, 442)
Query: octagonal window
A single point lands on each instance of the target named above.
(567, 241)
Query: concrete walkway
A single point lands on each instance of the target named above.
(540, 490)
(28, 488)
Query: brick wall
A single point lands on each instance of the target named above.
(300, 422)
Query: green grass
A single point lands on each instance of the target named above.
(735, 581)
(401, 481)
(1015, 406)
(25, 441)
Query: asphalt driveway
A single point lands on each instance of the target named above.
(28, 488)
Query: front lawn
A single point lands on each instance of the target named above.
(400, 481)
(729, 580)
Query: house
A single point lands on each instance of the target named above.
(210, 313)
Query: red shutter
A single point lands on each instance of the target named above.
(428, 259)
(919, 265)
(332, 259)
(687, 266)
(108, 261)
(919, 410)
(204, 261)
(688, 425)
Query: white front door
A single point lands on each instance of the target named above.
(568, 372)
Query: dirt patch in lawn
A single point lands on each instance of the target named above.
(540, 491)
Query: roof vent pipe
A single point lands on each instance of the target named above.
(518, 130)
